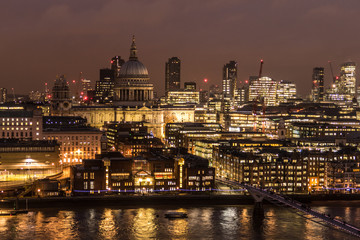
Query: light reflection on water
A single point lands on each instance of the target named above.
(217, 222)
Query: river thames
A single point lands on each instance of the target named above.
(210, 222)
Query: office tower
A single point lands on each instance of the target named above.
(242, 95)
(317, 92)
(86, 85)
(348, 78)
(229, 79)
(104, 88)
(115, 64)
(263, 89)
(172, 74)
(343, 91)
(285, 91)
(3, 95)
(190, 86)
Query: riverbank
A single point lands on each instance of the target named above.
(159, 200)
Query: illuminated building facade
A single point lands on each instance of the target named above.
(154, 118)
(288, 172)
(172, 74)
(242, 95)
(77, 141)
(285, 91)
(25, 160)
(348, 77)
(88, 177)
(197, 175)
(104, 88)
(316, 130)
(16, 121)
(175, 133)
(317, 92)
(229, 79)
(183, 97)
(343, 175)
(130, 138)
(133, 85)
(263, 89)
(86, 86)
(204, 116)
(113, 173)
(3, 95)
(343, 90)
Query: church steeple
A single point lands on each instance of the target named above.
(133, 50)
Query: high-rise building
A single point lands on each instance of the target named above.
(172, 74)
(242, 95)
(3, 95)
(317, 92)
(347, 76)
(343, 91)
(104, 88)
(115, 64)
(285, 91)
(86, 86)
(229, 79)
(263, 89)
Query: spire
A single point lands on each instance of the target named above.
(133, 50)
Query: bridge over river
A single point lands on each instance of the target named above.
(300, 208)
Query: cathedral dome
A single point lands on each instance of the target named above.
(132, 84)
(133, 69)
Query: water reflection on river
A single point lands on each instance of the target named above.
(216, 222)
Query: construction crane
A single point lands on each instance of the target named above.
(261, 66)
(257, 97)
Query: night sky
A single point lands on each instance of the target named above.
(42, 38)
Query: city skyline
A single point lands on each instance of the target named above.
(68, 38)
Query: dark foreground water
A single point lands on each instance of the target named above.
(215, 222)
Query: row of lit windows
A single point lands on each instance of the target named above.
(15, 124)
(90, 175)
(17, 129)
(14, 119)
(73, 138)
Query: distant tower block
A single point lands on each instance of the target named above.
(229, 79)
(318, 84)
(172, 74)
